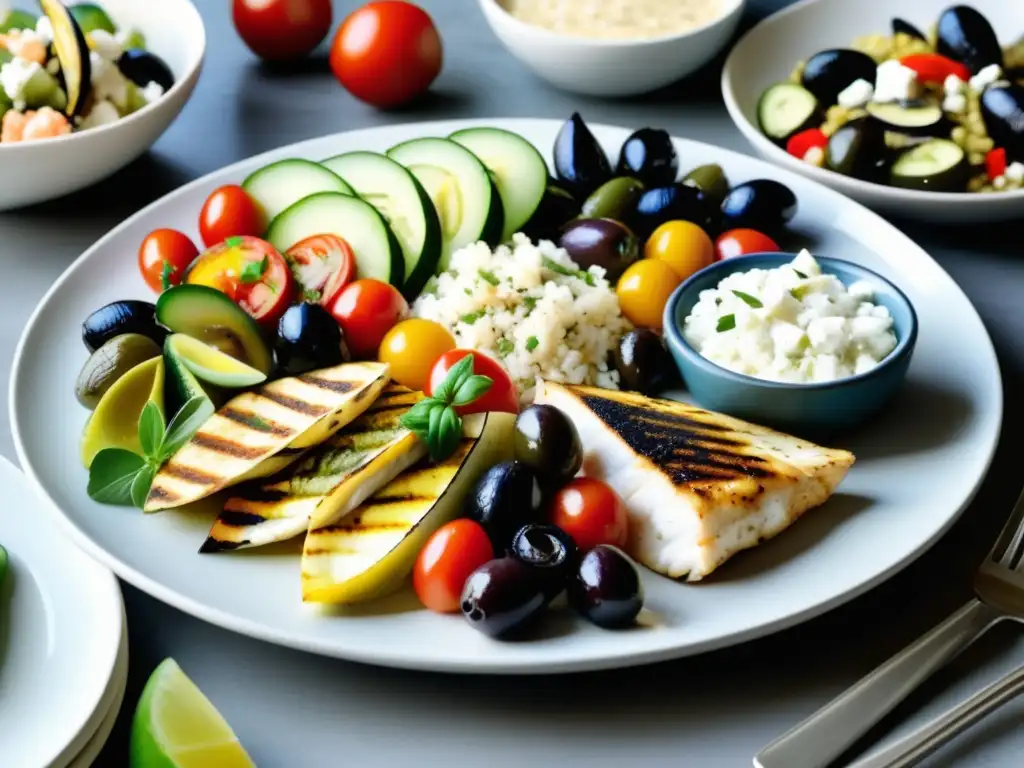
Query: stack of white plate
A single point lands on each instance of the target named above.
(63, 640)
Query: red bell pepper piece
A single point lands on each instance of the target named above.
(996, 163)
(934, 67)
(800, 144)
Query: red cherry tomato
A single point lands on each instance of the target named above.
(386, 53)
(165, 252)
(229, 212)
(322, 266)
(446, 561)
(251, 272)
(502, 396)
(366, 310)
(279, 30)
(740, 242)
(590, 512)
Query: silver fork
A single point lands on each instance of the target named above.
(825, 735)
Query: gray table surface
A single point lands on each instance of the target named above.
(300, 711)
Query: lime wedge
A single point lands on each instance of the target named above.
(176, 726)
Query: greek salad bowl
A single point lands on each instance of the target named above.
(87, 88)
(912, 107)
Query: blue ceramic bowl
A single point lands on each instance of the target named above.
(802, 409)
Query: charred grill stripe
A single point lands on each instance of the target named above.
(255, 422)
(291, 451)
(341, 387)
(294, 404)
(374, 409)
(232, 518)
(381, 501)
(259, 495)
(353, 527)
(607, 408)
(212, 545)
(227, 447)
(159, 493)
(190, 474)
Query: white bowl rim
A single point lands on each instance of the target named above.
(179, 83)
(729, 10)
(780, 156)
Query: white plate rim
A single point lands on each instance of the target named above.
(386, 657)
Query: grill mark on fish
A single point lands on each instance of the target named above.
(255, 422)
(233, 518)
(227, 447)
(341, 387)
(614, 412)
(190, 475)
(212, 545)
(294, 404)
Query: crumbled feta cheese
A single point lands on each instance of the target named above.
(856, 94)
(105, 44)
(107, 81)
(953, 84)
(999, 182)
(14, 75)
(1015, 172)
(986, 77)
(102, 113)
(815, 156)
(895, 82)
(955, 103)
(44, 29)
(152, 92)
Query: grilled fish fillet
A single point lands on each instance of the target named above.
(325, 484)
(257, 434)
(699, 486)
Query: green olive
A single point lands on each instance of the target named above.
(709, 179)
(612, 200)
(109, 363)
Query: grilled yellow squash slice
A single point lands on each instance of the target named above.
(370, 552)
(327, 483)
(257, 434)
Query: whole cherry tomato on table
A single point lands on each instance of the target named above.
(251, 272)
(322, 266)
(502, 396)
(281, 30)
(229, 212)
(446, 561)
(411, 348)
(164, 256)
(591, 512)
(366, 310)
(386, 53)
(740, 242)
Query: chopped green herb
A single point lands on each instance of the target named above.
(233, 242)
(166, 273)
(253, 271)
(472, 317)
(467, 291)
(531, 343)
(490, 277)
(530, 303)
(310, 295)
(557, 268)
(726, 323)
(800, 274)
(505, 347)
(751, 301)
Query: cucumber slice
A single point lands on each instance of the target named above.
(206, 314)
(282, 184)
(785, 109)
(378, 254)
(180, 384)
(466, 199)
(402, 201)
(939, 165)
(518, 170)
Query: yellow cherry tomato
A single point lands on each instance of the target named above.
(643, 291)
(411, 348)
(682, 245)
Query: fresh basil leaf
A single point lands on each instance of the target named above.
(112, 474)
(532, 343)
(191, 417)
(253, 271)
(726, 323)
(141, 485)
(472, 390)
(490, 277)
(417, 418)
(457, 374)
(751, 301)
(151, 430)
(166, 273)
(449, 434)
(434, 431)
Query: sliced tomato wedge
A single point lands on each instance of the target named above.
(250, 271)
(322, 266)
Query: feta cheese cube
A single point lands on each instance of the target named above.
(826, 368)
(44, 29)
(789, 339)
(862, 290)
(856, 94)
(1015, 172)
(805, 263)
(14, 76)
(986, 77)
(815, 156)
(827, 334)
(953, 85)
(102, 113)
(152, 92)
(105, 44)
(999, 182)
(864, 364)
(895, 82)
(107, 81)
(955, 103)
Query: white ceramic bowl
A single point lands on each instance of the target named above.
(768, 53)
(612, 67)
(34, 171)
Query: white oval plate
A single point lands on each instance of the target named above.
(61, 630)
(917, 469)
(768, 52)
(118, 685)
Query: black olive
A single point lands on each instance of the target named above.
(308, 338)
(503, 596)
(603, 243)
(580, 162)
(674, 202)
(551, 551)
(143, 68)
(557, 208)
(902, 27)
(763, 204)
(120, 317)
(858, 149)
(607, 589)
(506, 498)
(547, 440)
(643, 363)
(965, 35)
(650, 156)
(1002, 108)
(828, 73)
